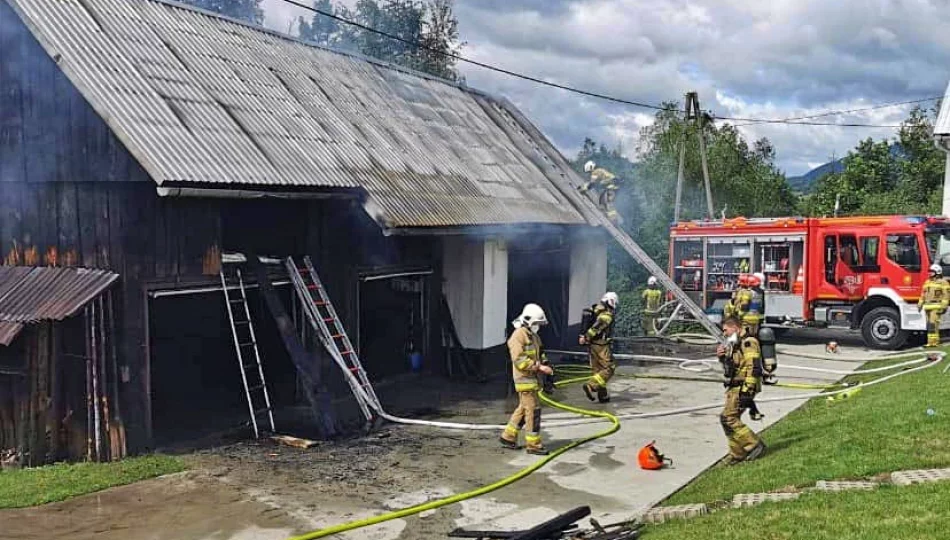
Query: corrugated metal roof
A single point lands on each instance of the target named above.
(198, 98)
(942, 126)
(31, 294)
(9, 331)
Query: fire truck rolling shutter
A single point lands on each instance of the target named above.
(730, 240)
(776, 239)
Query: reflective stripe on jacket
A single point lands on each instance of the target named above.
(601, 331)
(526, 353)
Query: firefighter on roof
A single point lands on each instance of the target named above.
(604, 185)
(743, 369)
(652, 297)
(934, 298)
(527, 362)
(597, 335)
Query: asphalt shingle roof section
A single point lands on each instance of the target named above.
(203, 100)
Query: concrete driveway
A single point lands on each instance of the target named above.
(258, 491)
(604, 473)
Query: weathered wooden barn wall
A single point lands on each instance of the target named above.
(153, 242)
(43, 405)
(71, 195)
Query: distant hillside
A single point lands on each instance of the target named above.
(806, 182)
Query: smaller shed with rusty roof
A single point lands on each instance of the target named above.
(58, 375)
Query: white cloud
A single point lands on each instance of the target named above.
(752, 59)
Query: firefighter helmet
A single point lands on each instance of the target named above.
(532, 316)
(743, 280)
(753, 280)
(936, 270)
(589, 166)
(651, 281)
(651, 459)
(610, 299)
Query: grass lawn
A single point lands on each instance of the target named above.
(30, 487)
(882, 429)
(890, 513)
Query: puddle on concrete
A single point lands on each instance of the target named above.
(171, 508)
(605, 460)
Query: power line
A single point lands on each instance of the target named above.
(848, 111)
(476, 62)
(605, 97)
(793, 123)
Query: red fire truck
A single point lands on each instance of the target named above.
(862, 273)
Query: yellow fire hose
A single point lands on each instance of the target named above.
(614, 427)
(578, 370)
(432, 505)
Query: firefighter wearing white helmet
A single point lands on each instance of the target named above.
(604, 184)
(652, 298)
(597, 327)
(527, 363)
(934, 299)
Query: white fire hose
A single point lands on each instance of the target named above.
(682, 363)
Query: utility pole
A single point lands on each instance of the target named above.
(695, 116)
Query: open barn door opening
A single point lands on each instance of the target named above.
(196, 389)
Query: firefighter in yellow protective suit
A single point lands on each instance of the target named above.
(598, 337)
(743, 370)
(752, 317)
(738, 305)
(934, 299)
(604, 184)
(652, 299)
(527, 362)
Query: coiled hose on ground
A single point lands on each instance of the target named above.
(591, 416)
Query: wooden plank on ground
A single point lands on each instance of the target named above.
(295, 442)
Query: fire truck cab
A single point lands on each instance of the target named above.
(862, 273)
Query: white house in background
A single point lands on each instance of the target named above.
(942, 139)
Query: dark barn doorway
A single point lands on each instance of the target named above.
(540, 274)
(393, 323)
(196, 387)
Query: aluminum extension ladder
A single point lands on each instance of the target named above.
(561, 174)
(324, 320)
(245, 345)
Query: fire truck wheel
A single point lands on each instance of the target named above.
(881, 329)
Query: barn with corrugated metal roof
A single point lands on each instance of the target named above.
(153, 141)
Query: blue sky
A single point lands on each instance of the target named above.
(746, 58)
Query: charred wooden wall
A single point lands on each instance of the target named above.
(71, 194)
(160, 243)
(42, 394)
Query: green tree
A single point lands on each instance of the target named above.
(248, 10)
(921, 171)
(744, 181)
(321, 29)
(441, 39)
(421, 35)
(899, 176)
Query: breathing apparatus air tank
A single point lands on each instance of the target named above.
(769, 358)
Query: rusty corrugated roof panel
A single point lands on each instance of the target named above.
(45, 293)
(9, 331)
(201, 99)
